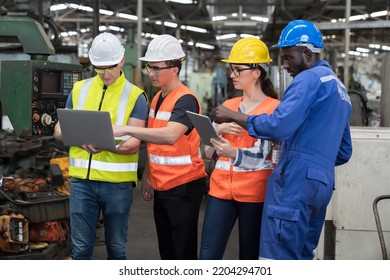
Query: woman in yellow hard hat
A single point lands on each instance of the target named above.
(243, 163)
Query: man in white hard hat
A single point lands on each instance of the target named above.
(102, 180)
(175, 175)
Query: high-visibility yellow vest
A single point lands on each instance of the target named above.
(119, 100)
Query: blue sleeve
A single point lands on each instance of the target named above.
(345, 151)
(69, 102)
(140, 110)
(291, 112)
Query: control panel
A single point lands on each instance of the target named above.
(31, 91)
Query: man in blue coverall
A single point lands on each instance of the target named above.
(312, 124)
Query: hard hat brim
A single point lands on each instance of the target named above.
(240, 62)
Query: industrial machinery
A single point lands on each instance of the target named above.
(32, 207)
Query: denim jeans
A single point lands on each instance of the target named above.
(220, 217)
(87, 199)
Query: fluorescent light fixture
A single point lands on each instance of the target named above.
(127, 16)
(102, 28)
(226, 36)
(116, 28)
(355, 53)
(249, 35)
(204, 46)
(362, 50)
(218, 18)
(81, 7)
(358, 17)
(240, 23)
(106, 12)
(194, 28)
(170, 24)
(58, 7)
(186, 2)
(374, 46)
(261, 19)
(379, 14)
(149, 35)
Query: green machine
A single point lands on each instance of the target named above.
(32, 90)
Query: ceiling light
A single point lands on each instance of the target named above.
(186, 2)
(358, 17)
(249, 35)
(81, 7)
(106, 12)
(261, 19)
(240, 23)
(193, 28)
(170, 24)
(362, 50)
(58, 7)
(127, 16)
(226, 36)
(204, 46)
(218, 18)
(374, 46)
(116, 28)
(379, 14)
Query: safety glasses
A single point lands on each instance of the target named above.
(237, 71)
(155, 69)
(103, 70)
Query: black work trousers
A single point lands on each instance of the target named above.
(176, 213)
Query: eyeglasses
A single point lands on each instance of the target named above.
(103, 70)
(237, 71)
(155, 69)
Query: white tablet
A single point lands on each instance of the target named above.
(204, 127)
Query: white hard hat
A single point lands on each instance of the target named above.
(106, 50)
(163, 48)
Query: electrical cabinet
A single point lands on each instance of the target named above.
(365, 177)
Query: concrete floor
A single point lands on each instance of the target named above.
(142, 240)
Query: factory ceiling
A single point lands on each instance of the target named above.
(219, 23)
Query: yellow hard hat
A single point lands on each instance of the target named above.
(248, 50)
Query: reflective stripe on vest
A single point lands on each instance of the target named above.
(164, 116)
(104, 166)
(83, 93)
(120, 115)
(179, 160)
(225, 166)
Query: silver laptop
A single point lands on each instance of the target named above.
(81, 127)
(204, 127)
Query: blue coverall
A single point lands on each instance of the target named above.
(312, 123)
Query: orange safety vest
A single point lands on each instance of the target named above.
(177, 164)
(244, 185)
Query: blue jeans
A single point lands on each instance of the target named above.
(87, 199)
(220, 217)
